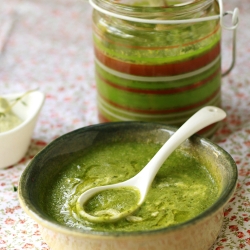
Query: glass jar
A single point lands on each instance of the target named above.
(150, 70)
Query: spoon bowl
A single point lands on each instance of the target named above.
(142, 181)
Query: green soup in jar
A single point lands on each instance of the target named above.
(182, 189)
(152, 71)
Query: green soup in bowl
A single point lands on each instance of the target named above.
(187, 195)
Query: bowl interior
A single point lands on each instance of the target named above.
(28, 106)
(50, 161)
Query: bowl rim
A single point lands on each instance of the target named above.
(31, 210)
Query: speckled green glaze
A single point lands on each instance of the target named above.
(198, 233)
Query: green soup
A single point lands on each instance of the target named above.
(152, 71)
(182, 189)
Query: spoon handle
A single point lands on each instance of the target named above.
(201, 119)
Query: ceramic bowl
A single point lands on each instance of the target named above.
(15, 142)
(198, 233)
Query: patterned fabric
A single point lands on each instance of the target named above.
(48, 45)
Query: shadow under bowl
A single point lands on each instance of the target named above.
(198, 233)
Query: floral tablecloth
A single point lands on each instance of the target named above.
(47, 44)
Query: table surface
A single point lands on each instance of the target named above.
(47, 44)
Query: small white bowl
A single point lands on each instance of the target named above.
(15, 142)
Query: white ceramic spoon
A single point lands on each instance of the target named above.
(142, 181)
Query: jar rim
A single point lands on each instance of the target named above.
(195, 9)
(202, 10)
(152, 4)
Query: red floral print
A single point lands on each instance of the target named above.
(242, 245)
(232, 199)
(9, 221)
(248, 241)
(37, 233)
(28, 246)
(240, 234)
(244, 172)
(227, 211)
(219, 248)
(233, 228)
(233, 217)
(9, 210)
(247, 143)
